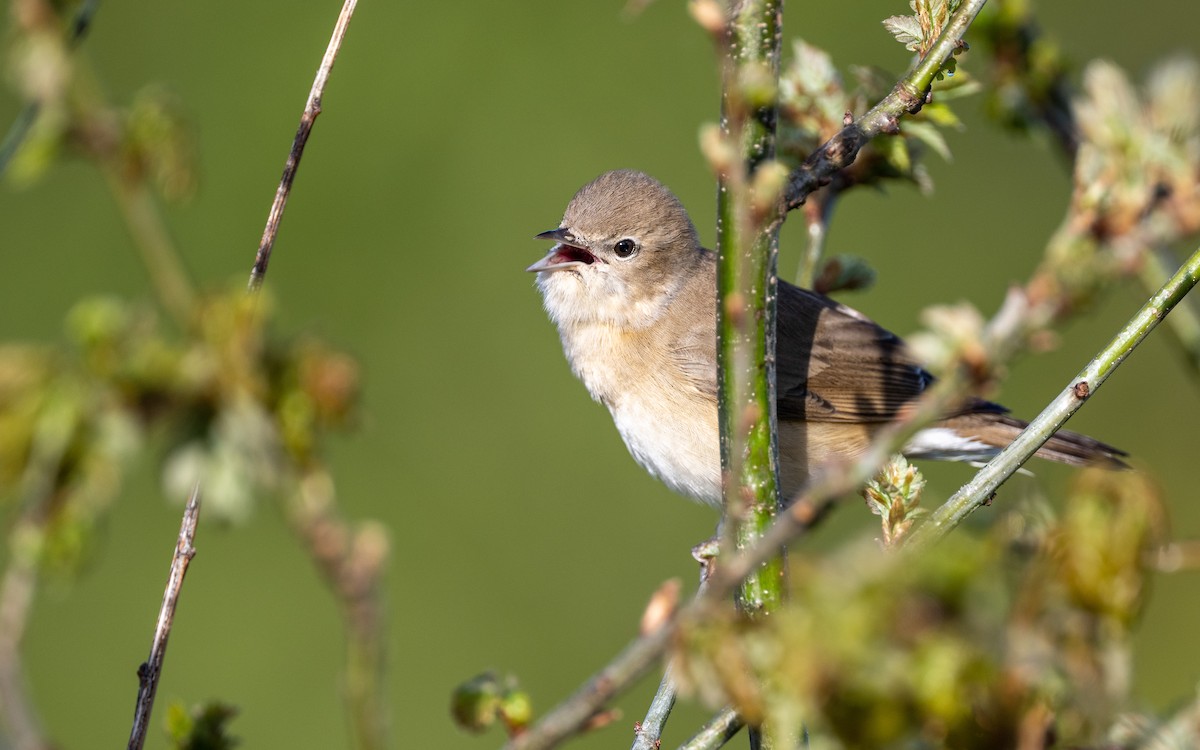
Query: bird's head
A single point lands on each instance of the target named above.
(624, 248)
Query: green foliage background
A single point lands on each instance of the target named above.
(525, 539)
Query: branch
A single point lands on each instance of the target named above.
(748, 223)
(571, 716)
(649, 731)
(1184, 323)
(907, 97)
(145, 223)
(312, 108)
(151, 670)
(977, 492)
(352, 561)
(747, 253)
(817, 214)
(16, 597)
(718, 731)
(50, 443)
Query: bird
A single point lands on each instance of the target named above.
(633, 294)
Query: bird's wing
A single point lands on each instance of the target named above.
(836, 365)
(855, 371)
(692, 339)
(695, 355)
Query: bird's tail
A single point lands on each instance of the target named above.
(1065, 447)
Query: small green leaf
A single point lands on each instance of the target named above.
(940, 115)
(895, 152)
(929, 135)
(906, 30)
(204, 727)
(960, 85)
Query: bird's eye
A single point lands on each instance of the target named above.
(625, 248)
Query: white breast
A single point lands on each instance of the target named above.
(671, 431)
(680, 447)
(669, 428)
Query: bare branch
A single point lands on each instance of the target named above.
(312, 108)
(151, 670)
(649, 731)
(717, 732)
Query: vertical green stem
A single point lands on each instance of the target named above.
(746, 288)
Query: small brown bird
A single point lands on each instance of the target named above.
(634, 297)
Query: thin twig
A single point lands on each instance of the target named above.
(572, 715)
(151, 670)
(52, 438)
(1184, 323)
(976, 492)
(21, 126)
(145, 222)
(312, 108)
(817, 213)
(908, 96)
(650, 730)
(16, 596)
(719, 730)
(352, 562)
(649, 733)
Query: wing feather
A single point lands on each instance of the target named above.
(838, 365)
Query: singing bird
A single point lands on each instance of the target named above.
(633, 294)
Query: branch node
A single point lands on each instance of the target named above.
(1082, 390)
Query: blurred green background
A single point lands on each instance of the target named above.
(525, 539)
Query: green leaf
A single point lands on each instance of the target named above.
(204, 727)
(939, 114)
(906, 30)
(894, 151)
(929, 135)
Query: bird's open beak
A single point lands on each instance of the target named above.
(566, 254)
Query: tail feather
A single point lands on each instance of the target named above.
(1064, 447)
